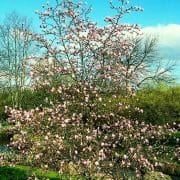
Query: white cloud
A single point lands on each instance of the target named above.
(169, 44)
(168, 35)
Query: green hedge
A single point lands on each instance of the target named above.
(160, 105)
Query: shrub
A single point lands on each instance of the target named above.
(159, 106)
(77, 131)
(170, 169)
(5, 100)
(5, 136)
(156, 176)
(26, 99)
(150, 105)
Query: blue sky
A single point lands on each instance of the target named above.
(155, 11)
(160, 17)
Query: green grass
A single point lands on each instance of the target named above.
(23, 172)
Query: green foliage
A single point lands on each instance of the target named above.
(5, 136)
(23, 172)
(26, 100)
(7, 173)
(172, 139)
(160, 105)
(170, 168)
(29, 99)
(5, 100)
(156, 176)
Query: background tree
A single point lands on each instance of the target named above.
(15, 47)
(144, 65)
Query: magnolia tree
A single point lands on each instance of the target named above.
(84, 51)
(76, 131)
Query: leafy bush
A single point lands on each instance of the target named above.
(26, 99)
(156, 176)
(5, 136)
(5, 100)
(30, 99)
(151, 105)
(159, 106)
(82, 130)
(170, 169)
